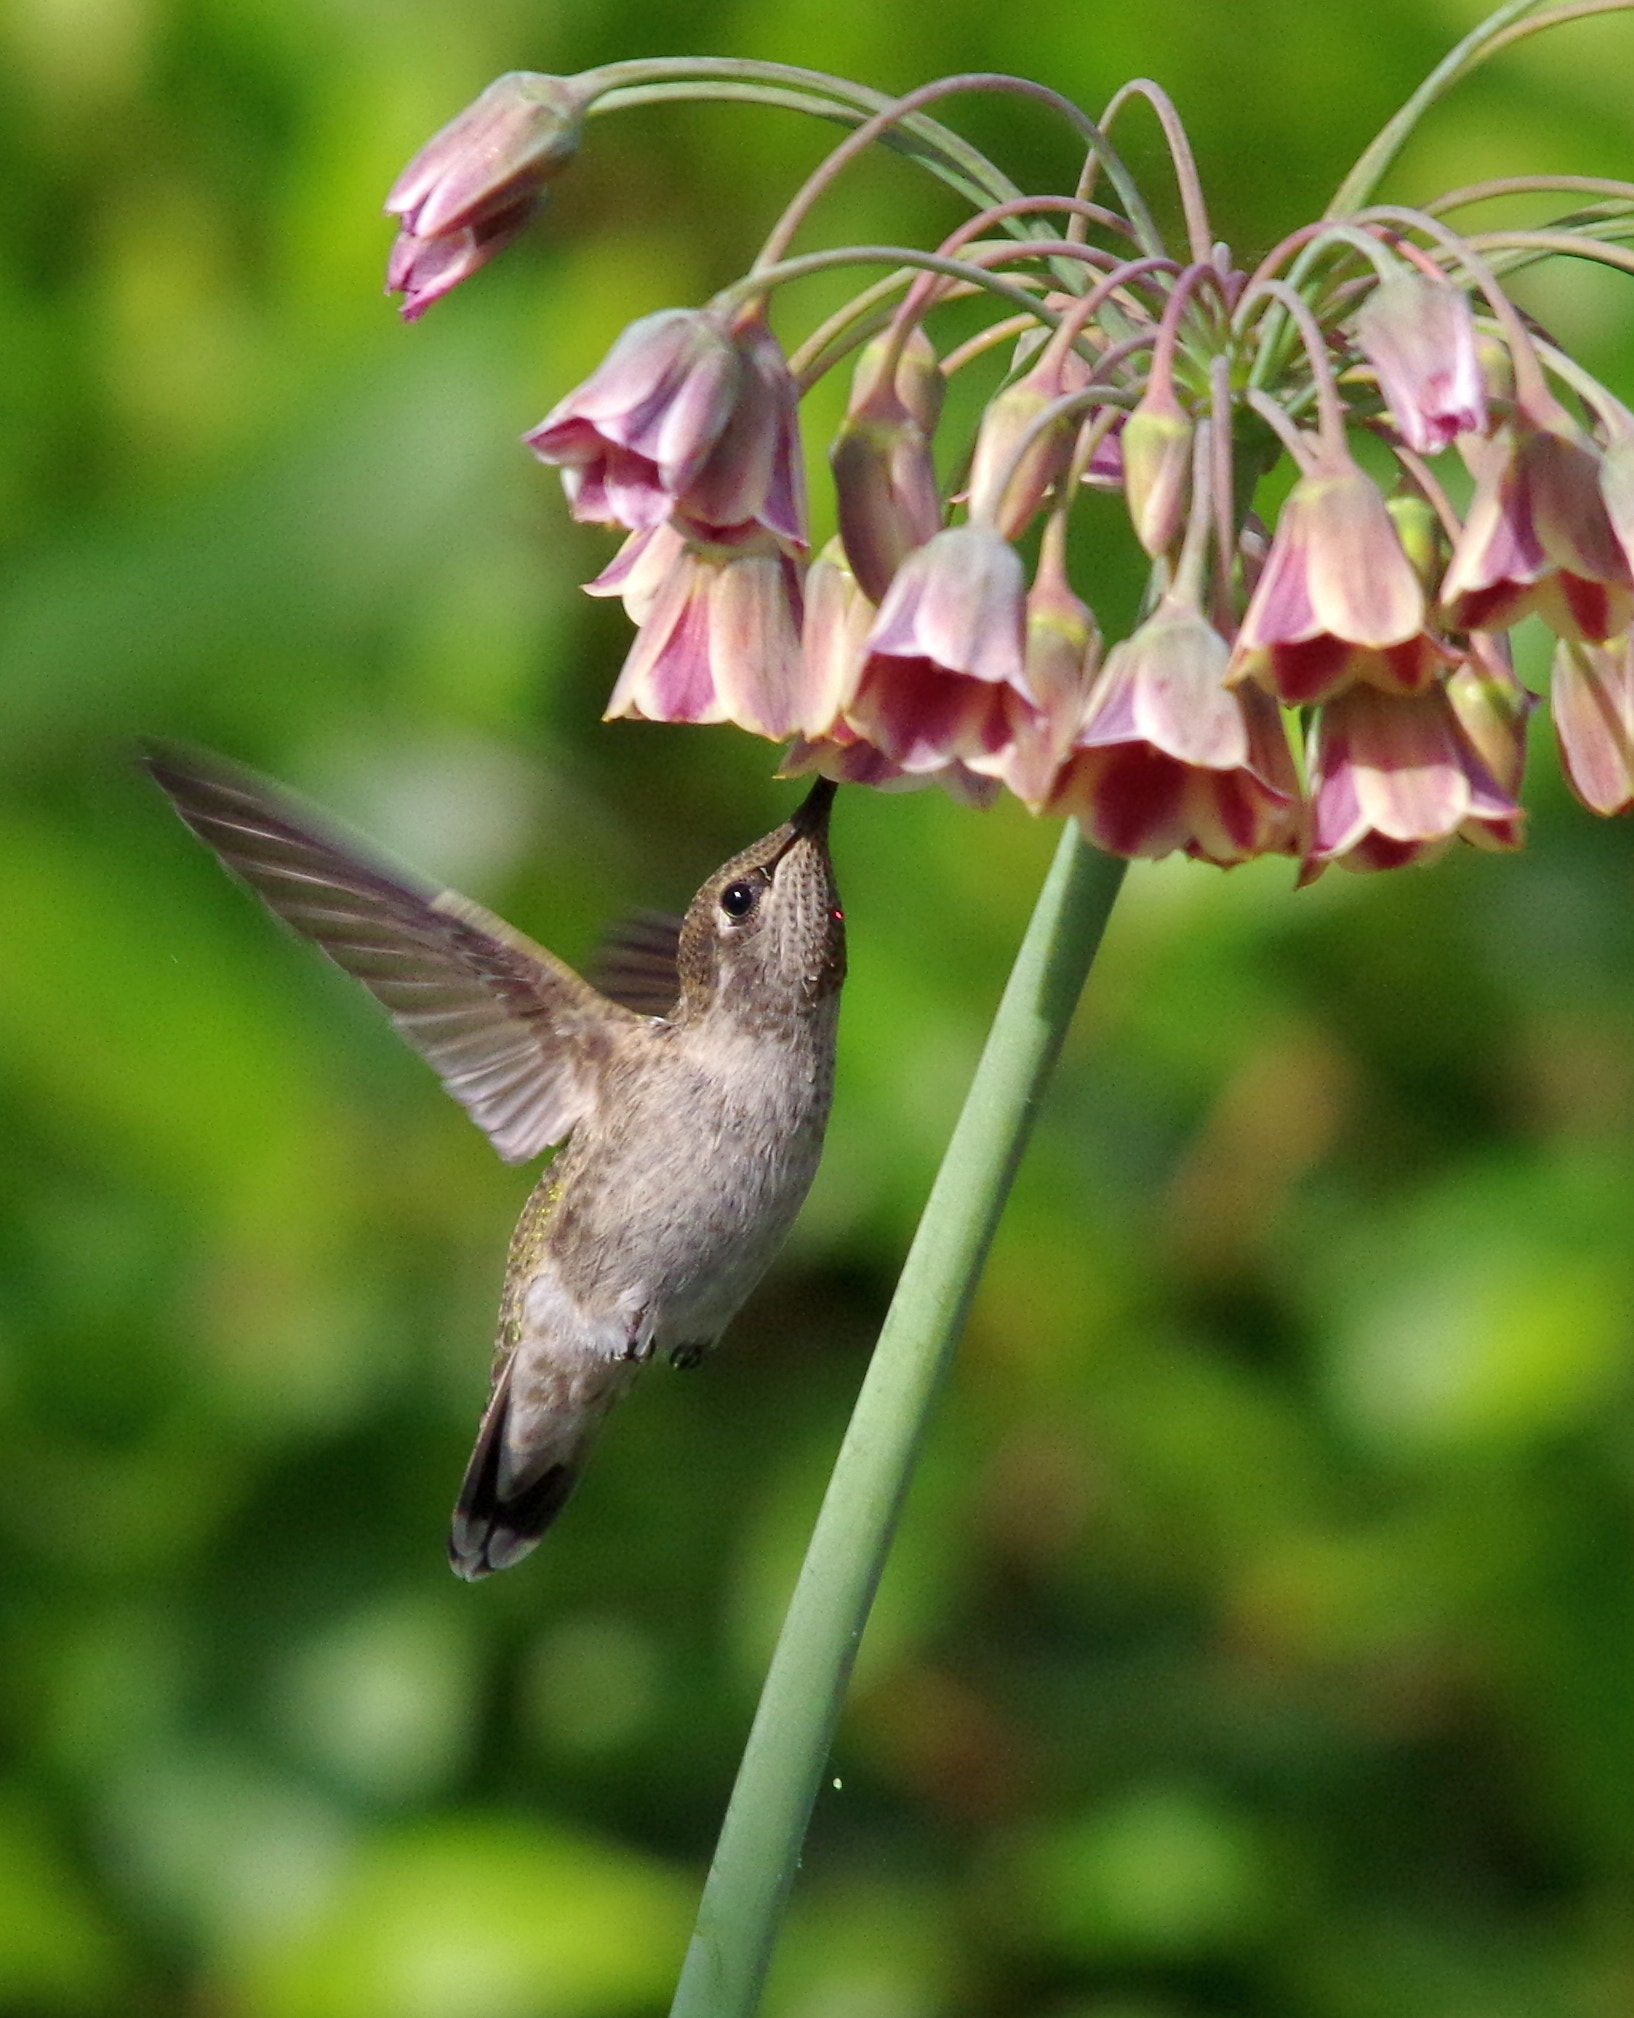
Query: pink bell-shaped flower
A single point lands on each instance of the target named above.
(1338, 599)
(1419, 336)
(689, 413)
(1538, 538)
(1591, 697)
(1170, 757)
(1393, 780)
(884, 478)
(945, 675)
(720, 642)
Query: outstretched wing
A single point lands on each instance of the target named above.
(638, 963)
(514, 1034)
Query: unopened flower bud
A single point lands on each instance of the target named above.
(918, 382)
(1015, 465)
(1063, 655)
(1497, 368)
(1157, 442)
(473, 186)
(1492, 708)
(884, 477)
(1422, 539)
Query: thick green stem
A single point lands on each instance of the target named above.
(793, 1730)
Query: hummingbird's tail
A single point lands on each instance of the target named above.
(509, 1497)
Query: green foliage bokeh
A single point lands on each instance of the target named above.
(1261, 1636)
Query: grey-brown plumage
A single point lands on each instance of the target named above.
(693, 1136)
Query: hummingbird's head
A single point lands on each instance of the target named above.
(766, 934)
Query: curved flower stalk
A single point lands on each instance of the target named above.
(1365, 626)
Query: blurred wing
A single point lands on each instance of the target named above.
(637, 963)
(513, 1033)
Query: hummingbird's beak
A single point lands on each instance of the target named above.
(811, 815)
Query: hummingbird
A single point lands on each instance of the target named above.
(692, 1135)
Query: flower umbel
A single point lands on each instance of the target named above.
(1116, 361)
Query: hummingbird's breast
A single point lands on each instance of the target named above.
(673, 1197)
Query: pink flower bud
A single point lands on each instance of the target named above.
(884, 478)
(688, 413)
(1015, 466)
(1157, 442)
(1492, 708)
(1063, 657)
(1419, 336)
(473, 186)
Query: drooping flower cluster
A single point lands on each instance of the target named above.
(1336, 686)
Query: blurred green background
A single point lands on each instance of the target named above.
(1261, 1637)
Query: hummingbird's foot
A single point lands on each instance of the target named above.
(638, 1346)
(687, 1355)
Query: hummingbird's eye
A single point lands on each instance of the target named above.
(739, 899)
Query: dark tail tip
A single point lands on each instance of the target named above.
(490, 1532)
